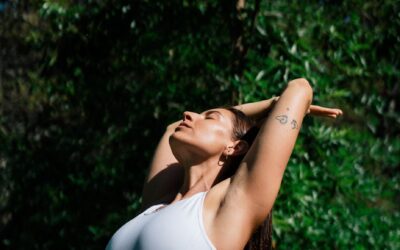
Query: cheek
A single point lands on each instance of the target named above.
(214, 139)
(209, 140)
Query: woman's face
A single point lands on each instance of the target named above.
(206, 134)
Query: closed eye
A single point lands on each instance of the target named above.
(212, 114)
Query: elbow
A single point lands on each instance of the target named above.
(300, 82)
(303, 87)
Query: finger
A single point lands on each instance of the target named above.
(323, 111)
(330, 114)
(318, 110)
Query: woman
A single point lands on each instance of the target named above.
(213, 207)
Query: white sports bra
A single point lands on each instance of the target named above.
(178, 226)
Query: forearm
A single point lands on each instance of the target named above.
(257, 110)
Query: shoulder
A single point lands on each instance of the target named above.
(163, 187)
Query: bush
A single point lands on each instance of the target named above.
(87, 89)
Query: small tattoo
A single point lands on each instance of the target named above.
(282, 119)
(294, 124)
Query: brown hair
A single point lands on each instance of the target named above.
(244, 129)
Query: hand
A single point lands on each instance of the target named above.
(317, 110)
(323, 111)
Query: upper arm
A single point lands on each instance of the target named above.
(163, 154)
(164, 172)
(255, 185)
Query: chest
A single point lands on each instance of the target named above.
(176, 226)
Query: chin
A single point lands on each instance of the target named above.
(183, 146)
(181, 140)
(179, 146)
(177, 138)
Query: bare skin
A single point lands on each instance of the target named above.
(234, 207)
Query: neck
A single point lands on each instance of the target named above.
(199, 177)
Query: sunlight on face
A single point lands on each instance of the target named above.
(207, 133)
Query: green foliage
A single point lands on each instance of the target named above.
(87, 88)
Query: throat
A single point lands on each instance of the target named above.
(199, 178)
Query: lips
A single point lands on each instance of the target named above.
(184, 124)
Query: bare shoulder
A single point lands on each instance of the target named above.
(163, 186)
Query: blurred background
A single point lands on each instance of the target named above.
(88, 87)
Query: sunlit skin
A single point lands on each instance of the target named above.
(201, 136)
(199, 144)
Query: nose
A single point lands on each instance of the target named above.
(187, 115)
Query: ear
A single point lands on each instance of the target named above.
(238, 147)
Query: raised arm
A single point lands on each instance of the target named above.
(257, 110)
(165, 174)
(253, 189)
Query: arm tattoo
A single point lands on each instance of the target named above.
(294, 124)
(282, 118)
